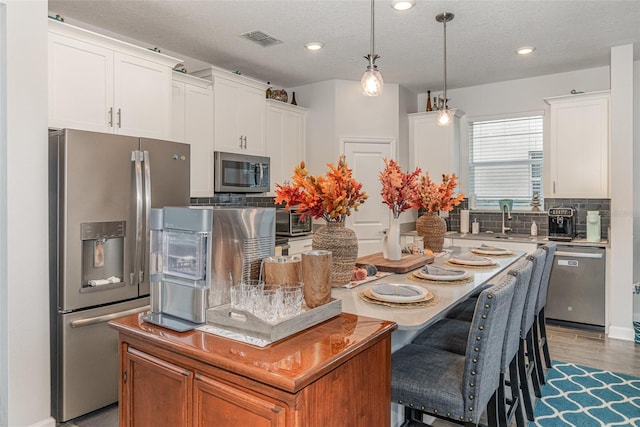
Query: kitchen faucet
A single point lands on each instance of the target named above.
(506, 207)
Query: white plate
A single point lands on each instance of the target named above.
(442, 277)
(480, 261)
(491, 252)
(395, 292)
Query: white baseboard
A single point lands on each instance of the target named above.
(49, 422)
(621, 333)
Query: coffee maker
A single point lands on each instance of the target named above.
(562, 224)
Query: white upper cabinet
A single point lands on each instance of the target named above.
(435, 149)
(285, 139)
(193, 124)
(101, 84)
(578, 146)
(239, 112)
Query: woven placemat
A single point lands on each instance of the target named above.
(506, 254)
(365, 296)
(418, 279)
(485, 267)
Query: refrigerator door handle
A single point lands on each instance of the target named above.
(107, 317)
(137, 253)
(147, 211)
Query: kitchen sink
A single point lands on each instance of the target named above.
(511, 236)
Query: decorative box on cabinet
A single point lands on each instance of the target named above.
(579, 146)
(193, 124)
(194, 378)
(100, 84)
(435, 149)
(239, 112)
(285, 139)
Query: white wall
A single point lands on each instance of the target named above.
(636, 190)
(24, 227)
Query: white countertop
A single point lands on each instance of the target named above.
(411, 321)
(540, 240)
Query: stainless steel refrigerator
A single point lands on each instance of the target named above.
(101, 191)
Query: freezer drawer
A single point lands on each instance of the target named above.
(577, 286)
(84, 357)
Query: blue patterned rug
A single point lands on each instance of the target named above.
(578, 396)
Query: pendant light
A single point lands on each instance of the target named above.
(444, 114)
(371, 81)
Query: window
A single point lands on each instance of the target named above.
(505, 161)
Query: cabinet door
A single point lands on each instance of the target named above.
(80, 85)
(219, 404)
(285, 139)
(177, 112)
(434, 148)
(199, 134)
(579, 152)
(299, 246)
(155, 392)
(251, 120)
(226, 106)
(142, 97)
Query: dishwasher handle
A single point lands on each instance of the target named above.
(598, 255)
(107, 317)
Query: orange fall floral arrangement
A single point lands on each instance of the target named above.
(332, 196)
(399, 189)
(434, 197)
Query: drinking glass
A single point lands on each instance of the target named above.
(291, 299)
(243, 294)
(267, 304)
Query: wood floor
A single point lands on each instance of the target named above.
(579, 346)
(593, 349)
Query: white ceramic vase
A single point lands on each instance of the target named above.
(394, 249)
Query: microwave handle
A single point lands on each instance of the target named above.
(261, 174)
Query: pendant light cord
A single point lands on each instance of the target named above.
(444, 102)
(373, 44)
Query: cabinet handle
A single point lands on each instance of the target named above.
(240, 141)
(111, 117)
(554, 187)
(119, 118)
(245, 142)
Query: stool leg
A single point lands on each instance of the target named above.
(514, 379)
(502, 402)
(532, 363)
(543, 336)
(524, 382)
(492, 410)
(536, 352)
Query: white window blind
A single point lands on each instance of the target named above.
(505, 161)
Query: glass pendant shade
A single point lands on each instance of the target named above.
(372, 82)
(444, 117)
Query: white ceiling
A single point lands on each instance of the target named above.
(568, 35)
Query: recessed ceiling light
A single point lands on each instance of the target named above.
(314, 45)
(525, 50)
(403, 4)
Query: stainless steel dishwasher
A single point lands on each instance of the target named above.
(577, 285)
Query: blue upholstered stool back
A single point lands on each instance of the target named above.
(528, 315)
(546, 273)
(522, 273)
(481, 376)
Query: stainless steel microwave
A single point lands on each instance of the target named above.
(240, 173)
(290, 223)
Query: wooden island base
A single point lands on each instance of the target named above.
(337, 373)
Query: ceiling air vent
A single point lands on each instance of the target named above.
(263, 39)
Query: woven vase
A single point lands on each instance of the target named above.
(343, 244)
(432, 228)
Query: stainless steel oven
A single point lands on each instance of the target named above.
(240, 173)
(291, 223)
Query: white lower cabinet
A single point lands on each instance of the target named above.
(297, 246)
(193, 124)
(99, 84)
(285, 139)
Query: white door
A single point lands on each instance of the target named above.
(365, 158)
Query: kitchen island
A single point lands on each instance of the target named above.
(412, 321)
(334, 374)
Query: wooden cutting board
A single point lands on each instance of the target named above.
(407, 263)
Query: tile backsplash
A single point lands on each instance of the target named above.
(521, 222)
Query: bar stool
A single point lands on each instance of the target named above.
(454, 386)
(528, 371)
(540, 329)
(451, 335)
